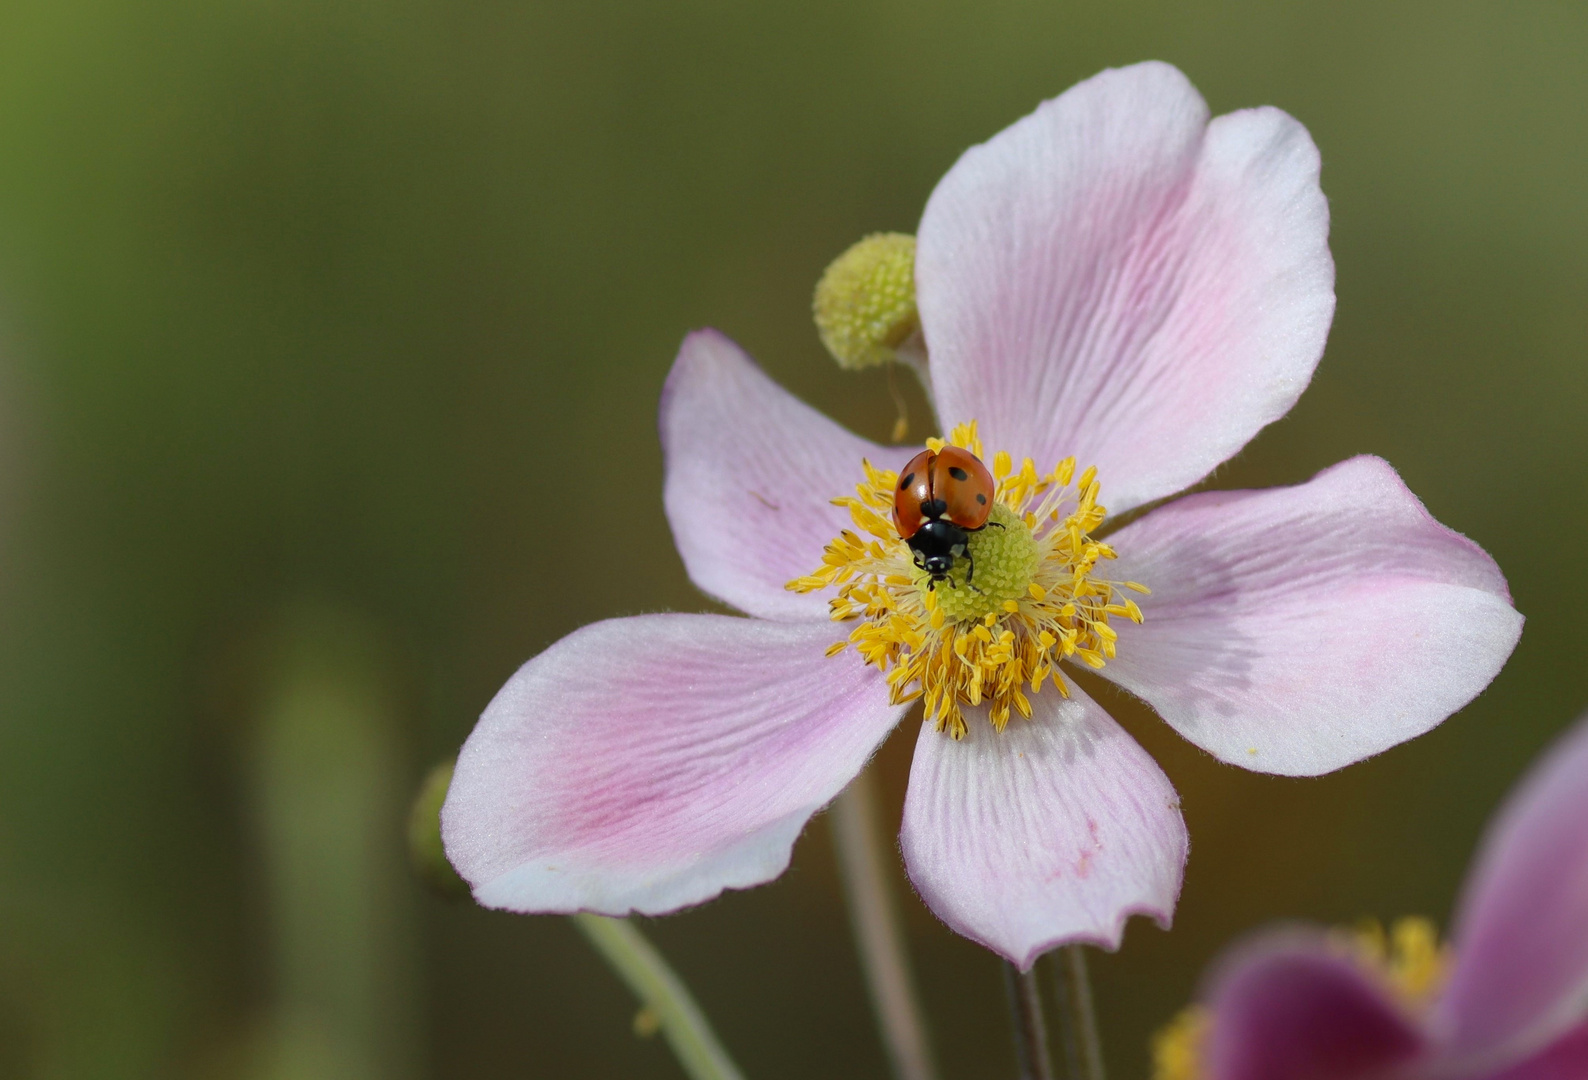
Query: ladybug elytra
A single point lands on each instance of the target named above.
(941, 497)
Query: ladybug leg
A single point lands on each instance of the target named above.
(970, 572)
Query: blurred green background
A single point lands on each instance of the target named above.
(331, 335)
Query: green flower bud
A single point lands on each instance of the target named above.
(425, 852)
(865, 302)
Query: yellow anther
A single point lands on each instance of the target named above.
(1409, 957)
(836, 647)
(865, 301)
(1177, 1048)
(966, 435)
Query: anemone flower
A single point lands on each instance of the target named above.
(1115, 281)
(1507, 1000)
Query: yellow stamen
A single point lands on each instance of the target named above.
(1409, 958)
(1034, 600)
(1177, 1047)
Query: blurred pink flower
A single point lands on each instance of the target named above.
(1114, 278)
(1291, 1006)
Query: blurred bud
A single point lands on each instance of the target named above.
(647, 1022)
(425, 853)
(865, 301)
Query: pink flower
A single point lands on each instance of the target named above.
(1514, 1006)
(1115, 280)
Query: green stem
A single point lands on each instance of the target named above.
(662, 992)
(878, 936)
(1083, 1049)
(1031, 1033)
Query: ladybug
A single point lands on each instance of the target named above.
(942, 496)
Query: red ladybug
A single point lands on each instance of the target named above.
(942, 496)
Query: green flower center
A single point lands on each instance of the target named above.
(1001, 565)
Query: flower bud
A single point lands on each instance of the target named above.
(865, 302)
(425, 852)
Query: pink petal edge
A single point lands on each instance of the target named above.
(1055, 830)
(648, 763)
(1521, 929)
(1116, 278)
(1297, 630)
(1287, 1006)
(751, 472)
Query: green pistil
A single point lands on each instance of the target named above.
(1006, 562)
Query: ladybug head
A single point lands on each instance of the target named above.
(936, 545)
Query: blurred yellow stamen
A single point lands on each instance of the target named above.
(1177, 1047)
(1034, 600)
(1409, 958)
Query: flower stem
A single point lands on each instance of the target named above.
(1031, 1034)
(662, 992)
(1083, 1050)
(878, 936)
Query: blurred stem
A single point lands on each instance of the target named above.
(878, 935)
(324, 769)
(912, 351)
(662, 992)
(901, 422)
(1083, 1050)
(1031, 1034)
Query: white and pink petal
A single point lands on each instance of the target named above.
(1114, 277)
(751, 472)
(1055, 830)
(649, 763)
(1297, 630)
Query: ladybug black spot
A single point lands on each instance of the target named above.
(981, 498)
(904, 484)
(958, 473)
